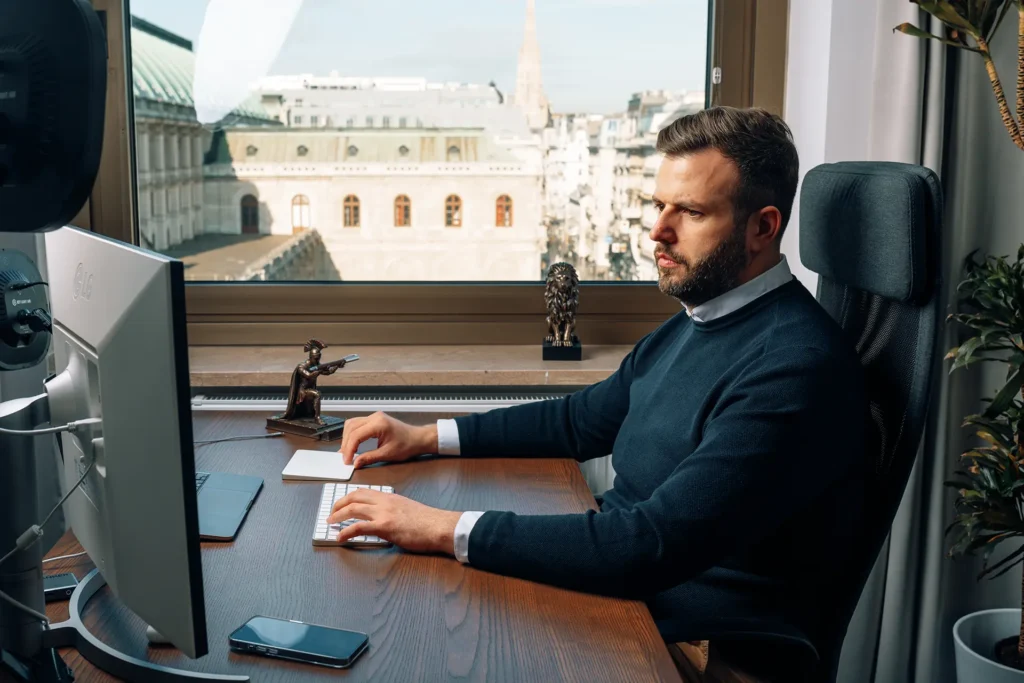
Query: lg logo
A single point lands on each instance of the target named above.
(83, 283)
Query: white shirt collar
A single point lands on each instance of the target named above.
(738, 297)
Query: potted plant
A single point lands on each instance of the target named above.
(990, 502)
(989, 645)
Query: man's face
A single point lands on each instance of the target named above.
(701, 250)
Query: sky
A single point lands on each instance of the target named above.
(594, 53)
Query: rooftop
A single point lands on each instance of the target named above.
(163, 67)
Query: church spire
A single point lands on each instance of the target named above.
(529, 94)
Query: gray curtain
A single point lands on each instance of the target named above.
(936, 108)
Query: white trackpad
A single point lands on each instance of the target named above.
(317, 466)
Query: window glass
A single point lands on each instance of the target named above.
(512, 117)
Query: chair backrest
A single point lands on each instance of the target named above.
(872, 232)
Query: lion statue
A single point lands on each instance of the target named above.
(562, 297)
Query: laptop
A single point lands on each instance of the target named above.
(224, 499)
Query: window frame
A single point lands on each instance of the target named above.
(350, 211)
(503, 212)
(453, 208)
(744, 42)
(403, 211)
(305, 206)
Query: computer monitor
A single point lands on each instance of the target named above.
(121, 355)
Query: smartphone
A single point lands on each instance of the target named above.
(59, 586)
(294, 640)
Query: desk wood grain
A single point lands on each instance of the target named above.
(429, 618)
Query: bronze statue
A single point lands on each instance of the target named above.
(562, 298)
(302, 415)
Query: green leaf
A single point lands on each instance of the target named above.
(1005, 397)
(1007, 563)
(944, 12)
(912, 30)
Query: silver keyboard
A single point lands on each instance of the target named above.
(327, 534)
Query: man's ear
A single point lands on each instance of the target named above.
(764, 227)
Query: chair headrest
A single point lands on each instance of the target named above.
(867, 225)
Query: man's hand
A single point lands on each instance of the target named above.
(396, 441)
(406, 523)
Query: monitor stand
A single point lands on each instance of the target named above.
(27, 649)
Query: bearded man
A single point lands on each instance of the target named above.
(736, 430)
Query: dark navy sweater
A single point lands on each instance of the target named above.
(738, 451)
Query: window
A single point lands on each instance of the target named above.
(250, 215)
(454, 154)
(403, 151)
(403, 211)
(503, 212)
(302, 150)
(386, 122)
(300, 213)
(444, 114)
(453, 211)
(353, 151)
(351, 211)
(251, 150)
(314, 120)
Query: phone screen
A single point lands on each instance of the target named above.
(304, 638)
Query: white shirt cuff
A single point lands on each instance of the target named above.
(447, 437)
(462, 531)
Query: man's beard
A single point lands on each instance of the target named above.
(711, 276)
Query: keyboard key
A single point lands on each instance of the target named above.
(327, 534)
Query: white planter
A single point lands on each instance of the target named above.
(974, 639)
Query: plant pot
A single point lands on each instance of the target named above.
(974, 640)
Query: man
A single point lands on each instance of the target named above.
(736, 430)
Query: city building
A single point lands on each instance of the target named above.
(170, 143)
(389, 204)
(529, 95)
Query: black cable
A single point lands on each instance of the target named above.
(18, 286)
(268, 435)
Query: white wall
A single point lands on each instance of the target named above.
(843, 101)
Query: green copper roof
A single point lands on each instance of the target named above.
(163, 66)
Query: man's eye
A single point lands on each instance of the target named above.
(692, 213)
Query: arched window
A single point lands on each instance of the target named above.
(403, 211)
(503, 212)
(454, 153)
(250, 215)
(453, 211)
(300, 213)
(351, 211)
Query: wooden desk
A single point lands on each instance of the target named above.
(429, 618)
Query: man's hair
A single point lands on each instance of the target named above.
(758, 142)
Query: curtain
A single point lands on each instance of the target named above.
(935, 107)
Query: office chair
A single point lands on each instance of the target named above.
(872, 233)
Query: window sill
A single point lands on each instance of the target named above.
(479, 365)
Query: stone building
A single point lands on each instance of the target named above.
(170, 143)
(390, 204)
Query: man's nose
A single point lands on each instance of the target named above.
(662, 233)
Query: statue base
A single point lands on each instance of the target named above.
(552, 352)
(331, 429)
